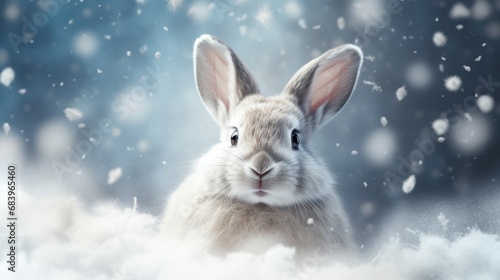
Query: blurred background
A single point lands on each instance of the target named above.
(97, 98)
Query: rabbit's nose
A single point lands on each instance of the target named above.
(259, 173)
(261, 164)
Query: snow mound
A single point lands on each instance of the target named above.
(61, 238)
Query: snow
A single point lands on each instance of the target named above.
(157, 55)
(486, 103)
(459, 27)
(481, 10)
(200, 11)
(7, 76)
(419, 75)
(129, 53)
(243, 30)
(409, 184)
(477, 59)
(341, 23)
(459, 11)
(375, 87)
(354, 152)
(370, 58)
(466, 68)
(6, 128)
(73, 114)
(383, 121)
(453, 83)
(85, 44)
(173, 5)
(471, 136)
(53, 139)
(441, 139)
(104, 240)
(439, 39)
(440, 126)
(365, 184)
(443, 220)
(316, 27)
(401, 93)
(293, 10)
(302, 23)
(165, 28)
(380, 146)
(264, 15)
(310, 221)
(114, 175)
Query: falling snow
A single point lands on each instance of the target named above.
(73, 114)
(459, 11)
(409, 184)
(439, 39)
(7, 76)
(114, 175)
(466, 68)
(264, 15)
(375, 87)
(453, 83)
(370, 58)
(440, 126)
(401, 93)
(341, 23)
(173, 5)
(302, 23)
(383, 121)
(486, 103)
(6, 128)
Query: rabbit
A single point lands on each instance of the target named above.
(262, 185)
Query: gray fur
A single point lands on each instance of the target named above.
(219, 199)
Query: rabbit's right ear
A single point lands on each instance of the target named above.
(221, 78)
(322, 87)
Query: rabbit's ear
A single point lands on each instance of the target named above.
(323, 86)
(221, 78)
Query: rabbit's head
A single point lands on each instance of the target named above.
(264, 154)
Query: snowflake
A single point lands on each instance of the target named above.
(174, 4)
(453, 83)
(375, 87)
(264, 15)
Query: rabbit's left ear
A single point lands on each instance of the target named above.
(221, 78)
(323, 86)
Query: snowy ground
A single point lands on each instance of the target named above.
(60, 237)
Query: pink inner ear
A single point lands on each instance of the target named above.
(325, 87)
(220, 73)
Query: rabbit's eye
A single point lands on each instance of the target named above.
(295, 139)
(234, 138)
